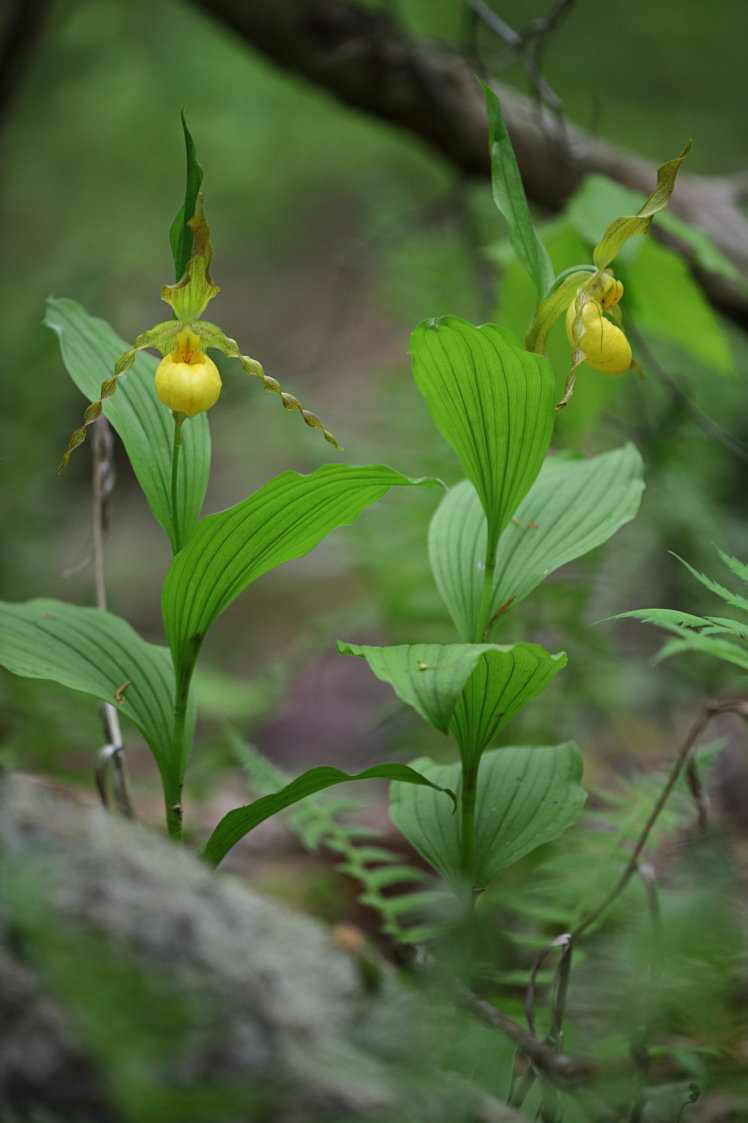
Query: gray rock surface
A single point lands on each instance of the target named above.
(135, 984)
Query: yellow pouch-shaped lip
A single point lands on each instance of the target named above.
(188, 387)
(605, 346)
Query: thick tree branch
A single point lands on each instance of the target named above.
(364, 60)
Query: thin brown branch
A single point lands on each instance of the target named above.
(529, 59)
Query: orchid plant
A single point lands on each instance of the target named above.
(516, 517)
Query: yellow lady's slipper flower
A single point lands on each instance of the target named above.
(187, 381)
(604, 345)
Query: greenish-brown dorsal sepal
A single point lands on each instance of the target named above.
(554, 305)
(212, 336)
(625, 227)
(191, 296)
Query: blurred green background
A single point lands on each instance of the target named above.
(334, 235)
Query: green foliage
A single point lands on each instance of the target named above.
(493, 540)
(385, 881)
(239, 822)
(526, 797)
(99, 654)
(493, 402)
(572, 878)
(472, 690)
(573, 506)
(285, 519)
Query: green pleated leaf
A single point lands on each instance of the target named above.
(509, 196)
(242, 820)
(573, 506)
(526, 797)
(284, 520)
(99, 654)
(493, 401)
(471, 690)
(89, 350)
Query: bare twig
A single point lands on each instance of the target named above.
(709, 712)
(711, 427)
(112, 754)
(569, 940)
(638, 1050)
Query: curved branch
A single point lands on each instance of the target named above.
(362, 58)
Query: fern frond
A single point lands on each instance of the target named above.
(735, 599)
(739, 568)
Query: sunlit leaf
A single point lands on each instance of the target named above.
(89, 350)
(494, 403)
(526, 797)
(471, 690)
(285, 519)
(509, 196)
(239, 822)
(573, 506)
(99, 654)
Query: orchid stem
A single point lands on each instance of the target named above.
(178, 419)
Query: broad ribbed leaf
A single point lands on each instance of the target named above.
(471, 690)
(285, 519)
(493, 401)
(509, 196)
(526, 797)
(89, 350)
(99, 654)
(242, 820)
(573, 506)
